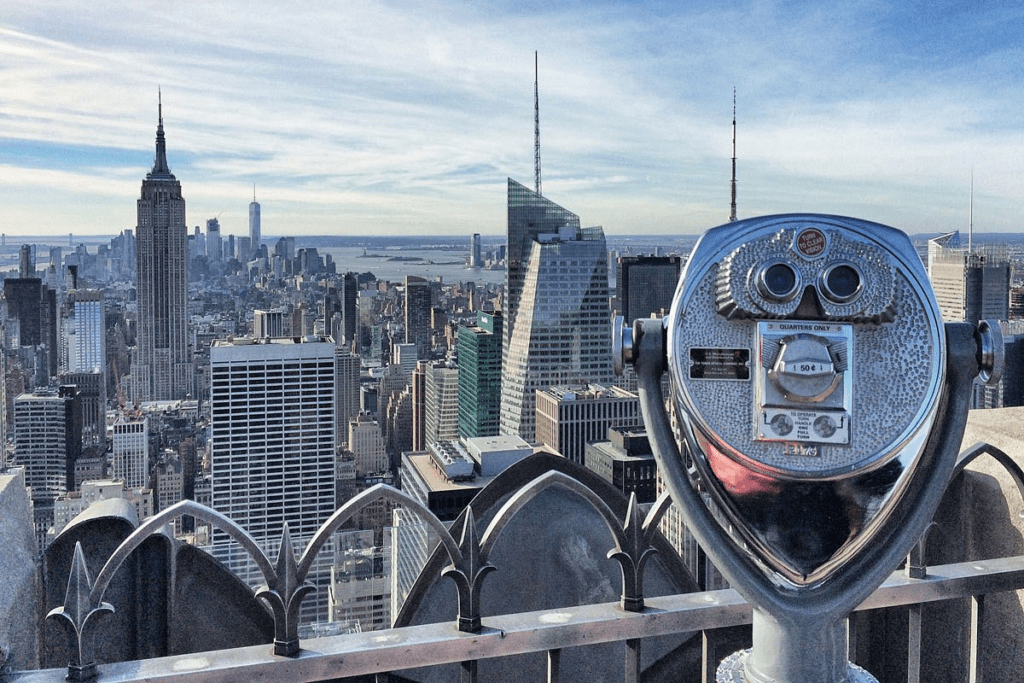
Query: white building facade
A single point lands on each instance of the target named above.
(272, 457)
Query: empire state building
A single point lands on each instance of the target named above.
(162, 369)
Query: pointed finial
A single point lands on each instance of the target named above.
(159, 107)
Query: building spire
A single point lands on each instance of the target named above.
(160, 160)
(732, 213)
(536, 126)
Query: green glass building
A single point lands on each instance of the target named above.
(480, 376)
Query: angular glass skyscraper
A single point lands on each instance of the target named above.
(558, 324)
(162, 369)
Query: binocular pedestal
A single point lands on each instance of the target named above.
(820, 403)
(794, 652)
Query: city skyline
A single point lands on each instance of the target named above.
(393, 119)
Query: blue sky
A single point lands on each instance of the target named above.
(407, 117)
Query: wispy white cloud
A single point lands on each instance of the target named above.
(402, 117)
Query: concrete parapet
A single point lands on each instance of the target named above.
(19, 578)
(979, 518)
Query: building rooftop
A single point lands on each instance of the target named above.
(582, 392)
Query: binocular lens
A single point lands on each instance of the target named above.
(778, 281)
(841, 283)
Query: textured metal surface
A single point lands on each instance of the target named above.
(855, 398)
(731, 670)
(805, 544)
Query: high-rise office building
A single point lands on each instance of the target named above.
(47, 443)
(272, 447)
(558, 329)
(214, 244)
(569, 417)
(92, 395)
(476, 254)
(340, 314)
(33, 305)
(529, 215)
(418, 391)
(366, 442)
(970, 283)
(417, 315)
(346, 391)
(480, 376)
(130, 446)
(27, 261)
(645, 284)
(84, 332)
(254, 227)
(162, 369)
(441, 412)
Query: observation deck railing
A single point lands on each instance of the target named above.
(471, 638)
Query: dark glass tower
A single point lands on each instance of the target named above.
(646, 284)
(162, 370)
(417, 315)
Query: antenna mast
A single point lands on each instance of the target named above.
(732, 214)
(970, 218)
(536, 126)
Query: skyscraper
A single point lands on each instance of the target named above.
(84, 330)
(130, 445)
(441, 412)
(47, 442)
(970, 284)
(646, 284)
(558, 329)
(529, 215)
(417, 315)
(475, 254)
(480, 376)
(162, 369)
(272, 455)
(254, 226)
(346, 391)
(340, 317)
(214, 243)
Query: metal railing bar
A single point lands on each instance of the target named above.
(977, 626)
(949, 581)
(709, 657)
(554, 666)
(433, 644)
(914, 624)
(633, 665)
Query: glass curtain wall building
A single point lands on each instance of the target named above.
(558, 329)
(480, 376)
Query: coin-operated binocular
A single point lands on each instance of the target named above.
(820, 403)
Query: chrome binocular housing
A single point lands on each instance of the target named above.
(819, 402)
